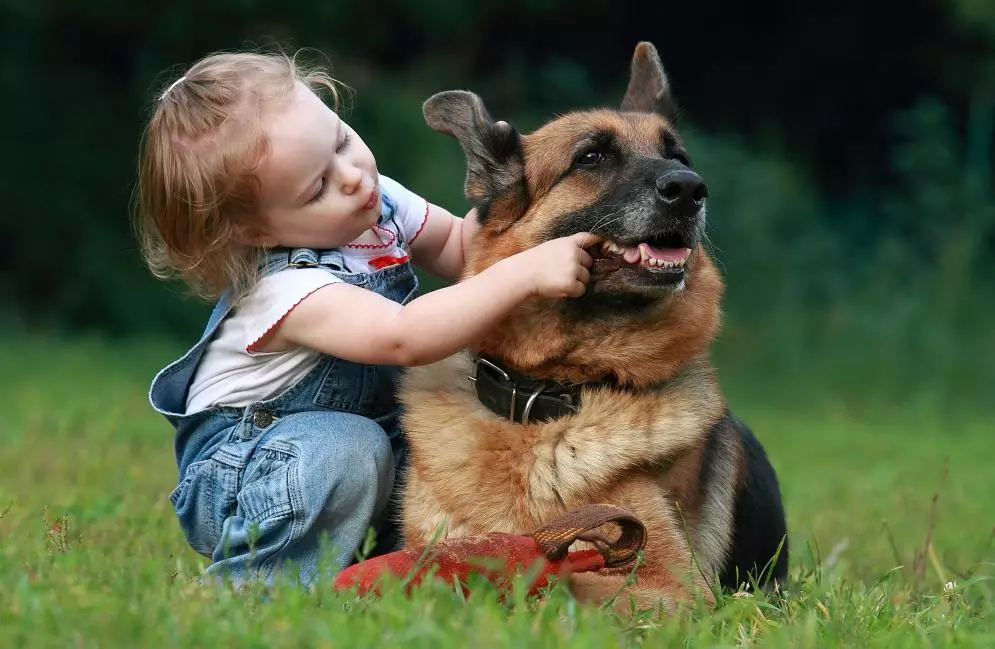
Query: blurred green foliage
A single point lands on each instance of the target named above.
(852, 217)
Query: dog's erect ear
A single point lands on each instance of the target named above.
(495, 171)
(649, 91)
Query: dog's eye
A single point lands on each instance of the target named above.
(590, 158)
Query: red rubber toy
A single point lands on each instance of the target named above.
(498, 556)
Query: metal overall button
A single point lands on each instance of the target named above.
(262, 418)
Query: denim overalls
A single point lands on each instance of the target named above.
(262, 484)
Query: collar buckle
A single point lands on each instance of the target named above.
(499, 386)
(477, 360)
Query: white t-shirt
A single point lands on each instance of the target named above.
(231, 373)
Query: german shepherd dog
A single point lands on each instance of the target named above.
(607, 398)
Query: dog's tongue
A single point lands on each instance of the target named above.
(633, 255)
(665, 254)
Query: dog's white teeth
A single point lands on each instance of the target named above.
(660, 263)
(610, 247)
(643, 255)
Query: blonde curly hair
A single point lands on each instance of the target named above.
(197, 194)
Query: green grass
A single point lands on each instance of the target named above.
(91, 556)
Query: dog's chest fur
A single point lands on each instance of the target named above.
(473, 472)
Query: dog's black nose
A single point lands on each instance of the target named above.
(681, 186)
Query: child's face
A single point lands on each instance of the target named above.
(318, 185)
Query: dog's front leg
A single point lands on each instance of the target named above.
(659, 596)
(576, 464)
(667, 576)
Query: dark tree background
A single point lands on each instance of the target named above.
(847, 146)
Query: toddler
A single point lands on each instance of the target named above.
(260, 197)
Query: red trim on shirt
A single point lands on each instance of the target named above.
(386, 260)
(392, 239)
(367, 246)
(421, 227)
(250, 348)
(390, 233)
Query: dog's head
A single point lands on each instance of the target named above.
(622, 174)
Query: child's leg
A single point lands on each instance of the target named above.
(389, 535)
(311, 475)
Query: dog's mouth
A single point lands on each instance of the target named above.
(665, 254)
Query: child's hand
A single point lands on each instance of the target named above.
(558, 268)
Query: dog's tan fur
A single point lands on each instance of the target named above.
(474, 472)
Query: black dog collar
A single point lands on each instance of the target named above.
(520, 398)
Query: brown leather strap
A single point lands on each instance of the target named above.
(555, 537)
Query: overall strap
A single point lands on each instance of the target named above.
(282, 258)
(168, 391)
(221, 308)
(388, 212)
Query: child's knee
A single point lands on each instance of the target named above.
(349, 469)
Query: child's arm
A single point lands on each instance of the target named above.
(359, 325)
(440, 245)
